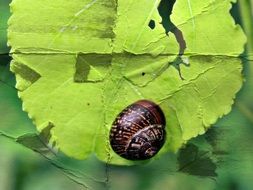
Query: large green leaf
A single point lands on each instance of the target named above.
(79, 63)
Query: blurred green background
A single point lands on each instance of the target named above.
(221, 159)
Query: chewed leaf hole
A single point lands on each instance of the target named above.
(151, 24)
(143, 73)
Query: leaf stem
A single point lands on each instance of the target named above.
(246, 13)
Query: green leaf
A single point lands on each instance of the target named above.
(79, 69)
(5, 14)
(195, 162)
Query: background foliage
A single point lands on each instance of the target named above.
(220, 159)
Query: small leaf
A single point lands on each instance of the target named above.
(196, 162)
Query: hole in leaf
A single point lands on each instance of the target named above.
(143, 73)
(151, 24)
(165, 9)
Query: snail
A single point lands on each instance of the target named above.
(138, 132)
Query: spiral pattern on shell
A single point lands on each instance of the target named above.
(138, 132)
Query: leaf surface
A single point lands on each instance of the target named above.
(79, 63)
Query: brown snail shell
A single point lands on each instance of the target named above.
(138, 132)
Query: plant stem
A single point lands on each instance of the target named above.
(246, 12)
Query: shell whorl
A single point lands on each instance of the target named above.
(138, 131)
